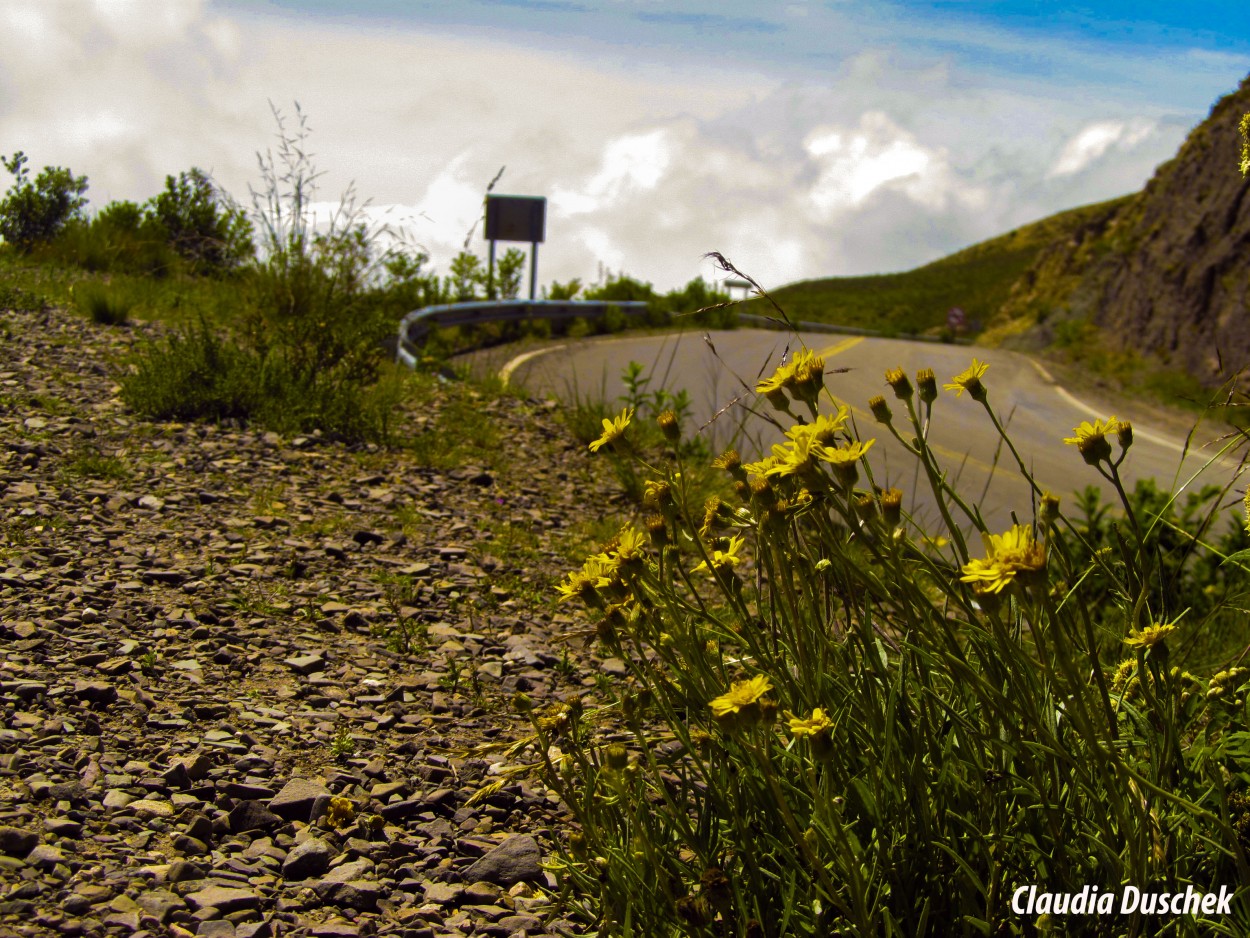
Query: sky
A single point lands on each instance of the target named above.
(799, 138)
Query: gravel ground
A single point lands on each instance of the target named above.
(207, 724)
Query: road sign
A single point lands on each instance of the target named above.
(516, 218)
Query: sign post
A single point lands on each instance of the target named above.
(515, 218)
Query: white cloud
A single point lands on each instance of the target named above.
(630, 164)
(855, 164)
(1094, 140)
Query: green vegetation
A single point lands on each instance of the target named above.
(835, 723)
(34, 212)
(977, 279)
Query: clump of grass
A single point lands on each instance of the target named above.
(833, 726)
(96, 465)
(104, 305)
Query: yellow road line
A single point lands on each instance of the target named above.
(996, 469)
(839, 347)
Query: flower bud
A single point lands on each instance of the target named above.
(892, 507)
(927, 383)
(670, 426)
(1048, 510)
(657, 528)
(896, 378)
(1124, 434)
(880, 409)
(617, 757)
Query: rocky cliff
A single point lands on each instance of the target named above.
(1166, 272)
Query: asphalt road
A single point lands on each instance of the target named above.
(1038, 414)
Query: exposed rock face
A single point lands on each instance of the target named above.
(1166, 272)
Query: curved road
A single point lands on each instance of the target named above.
(1038, 414)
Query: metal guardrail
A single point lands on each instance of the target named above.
(414, 327)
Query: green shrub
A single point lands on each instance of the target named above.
(34, 212)
(837, 723)
(198, 222)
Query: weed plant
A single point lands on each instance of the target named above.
(103, 305)
(833, 726)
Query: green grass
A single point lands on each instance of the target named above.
(977, 279)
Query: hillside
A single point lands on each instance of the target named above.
(978, 280)
(1166, 274)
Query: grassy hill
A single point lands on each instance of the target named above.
(977, 279)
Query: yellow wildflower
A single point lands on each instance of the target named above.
(731, 462)
(725, 559)
(1151, 635)
(814, 725)
(774, 387)
(797, 456)
(1007, 555)
(970, 381)
(1091, 439)
(824, 429)
(340, 813)
(613, 429)
(762, 467)
(779, 379)
(843, 459)
(846, 453)
(629, 547)
(657, 493)
(809, 376)
(741, 695)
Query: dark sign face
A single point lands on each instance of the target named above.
(516, 218)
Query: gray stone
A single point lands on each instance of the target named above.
(160, 904)
(252, 816)
(225, 899)
(306, 664)
(15, 842)
(295, 801)
(354, 869)
(311, 858)
(45, 856)
(443, 893)
(526, 923)
(180, 871)
(360, 894)
(516, 860)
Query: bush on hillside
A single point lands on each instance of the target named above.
(33, 212)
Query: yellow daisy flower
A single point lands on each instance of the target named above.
(723, 559)
(613, 429)
(814, 725)
(741, 695)
(824, 429)
(1091, 439)
(846, 454)
(1007, 555)
(1151, 635)
(796, 457)
(970, 381)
